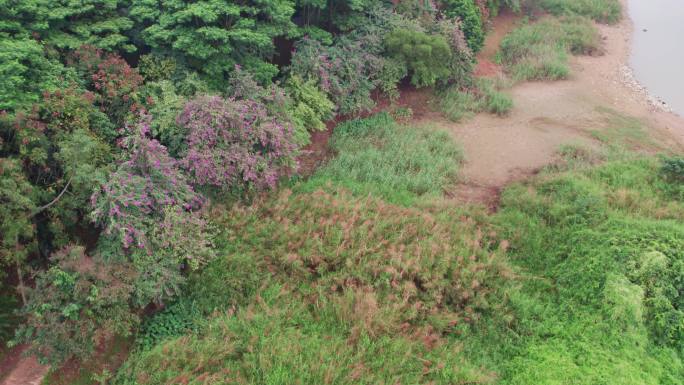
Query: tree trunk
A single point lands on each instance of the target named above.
(21, 288)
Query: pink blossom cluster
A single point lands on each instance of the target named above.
(142, 186)
(235, 143)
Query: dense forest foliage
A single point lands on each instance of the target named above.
(122, 119)
(150, 192)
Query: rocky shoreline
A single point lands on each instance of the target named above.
(629, 80)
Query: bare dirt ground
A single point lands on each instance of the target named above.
(547, 115)
(19, 370)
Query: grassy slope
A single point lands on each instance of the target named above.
(602, 250)
(574, 281)
(363, 275)
(339, 287)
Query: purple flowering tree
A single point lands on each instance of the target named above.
(141, 187)
(151, 218)
(236, 143)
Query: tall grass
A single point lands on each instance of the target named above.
(355, 290)
(398, 163)
(458, 104)
(604, 11)
(577, 279)
(540, 51)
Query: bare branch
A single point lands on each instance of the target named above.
(45, 207)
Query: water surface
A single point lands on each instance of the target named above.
(658, 49)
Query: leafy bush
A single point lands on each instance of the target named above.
(540, 51)
(235, 144)
(344, 71)
(155, 68)
(111, 78)
(462, 63)
(145, 183)
(472, 22)
(427, 57)
(165, 104)
(395, 162)
(311, 108)
(149, 215)
(673, 169)
(175, 320)
(77, 304)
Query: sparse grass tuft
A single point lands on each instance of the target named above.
(622, 130)
(457, 104)
(540, 51)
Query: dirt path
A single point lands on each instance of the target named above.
(547, 115)
(21, 370)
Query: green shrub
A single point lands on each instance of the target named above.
(175, 320)
(344, 71)
(165, 106)
(156, 68)
(604, 11)
(673, 169)
(540, 51)
(399, 163)
(426, 57)
(469, 14)
(76, 305)
(311, 108)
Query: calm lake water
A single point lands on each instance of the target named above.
(658, 52)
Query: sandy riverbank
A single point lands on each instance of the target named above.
(547, 115)
(638, 101)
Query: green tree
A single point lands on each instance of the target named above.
(26, 72)
(471, 21)
(16, 228)
(211, 36)
(69, 24)
(427, 57)
(76, 304)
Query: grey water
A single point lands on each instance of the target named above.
(657, 57)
